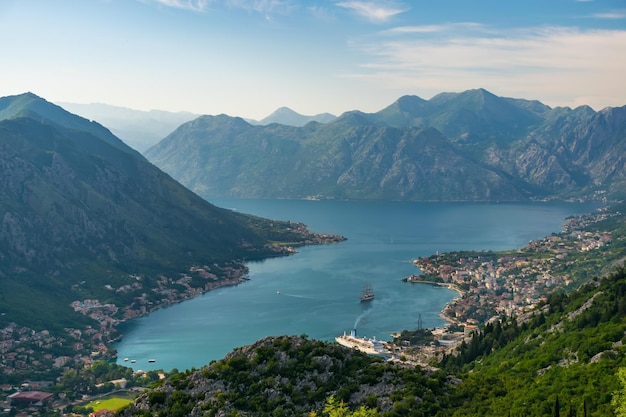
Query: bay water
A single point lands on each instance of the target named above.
(316, 291)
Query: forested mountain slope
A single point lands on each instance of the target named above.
(83, 215)
(567, 352)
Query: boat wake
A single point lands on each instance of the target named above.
(362, 316)
(295, 295)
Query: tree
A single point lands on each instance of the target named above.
(556, 407)
(619, 396)
(334, 408)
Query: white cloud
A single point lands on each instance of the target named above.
(373, 11)
(558, 65)
(193, 5)
(616, 14)
(443, 28)
(259, 6)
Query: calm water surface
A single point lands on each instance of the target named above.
(316, 292)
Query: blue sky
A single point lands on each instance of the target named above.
(249, 57)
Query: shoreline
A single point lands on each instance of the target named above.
(414, 279)
(443, 314)
(235, 272)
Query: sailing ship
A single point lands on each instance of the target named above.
(368, 292)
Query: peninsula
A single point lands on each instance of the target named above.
(512, 283)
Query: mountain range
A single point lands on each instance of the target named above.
(142, 129)
(469, 146)
(82, 215)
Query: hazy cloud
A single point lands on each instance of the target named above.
(532, 62)
(321, 13)
(373, 11)
(621, 14)
(438, 29)
(259, 6)
(263, 6)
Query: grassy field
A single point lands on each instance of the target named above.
(110, 403)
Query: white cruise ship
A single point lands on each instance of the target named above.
(364, 344)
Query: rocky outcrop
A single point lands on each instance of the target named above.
(290, 373)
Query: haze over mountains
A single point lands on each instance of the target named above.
(139, 129)
(143, 129)
(469, 146)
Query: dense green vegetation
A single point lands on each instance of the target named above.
(287, 376)
(570, 348)
(97, 379)
(619, 396)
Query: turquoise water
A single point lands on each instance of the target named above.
(316, 292)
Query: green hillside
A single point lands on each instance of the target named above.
(570, 349)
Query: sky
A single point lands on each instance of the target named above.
(249, 57)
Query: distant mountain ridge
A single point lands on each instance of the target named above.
(469, 146)
(144, 129)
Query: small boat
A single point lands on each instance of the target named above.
(368, 292)
(132, 361)
(151, 360)
(125, 359)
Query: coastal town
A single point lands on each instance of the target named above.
(512, 282)
(497, 284)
